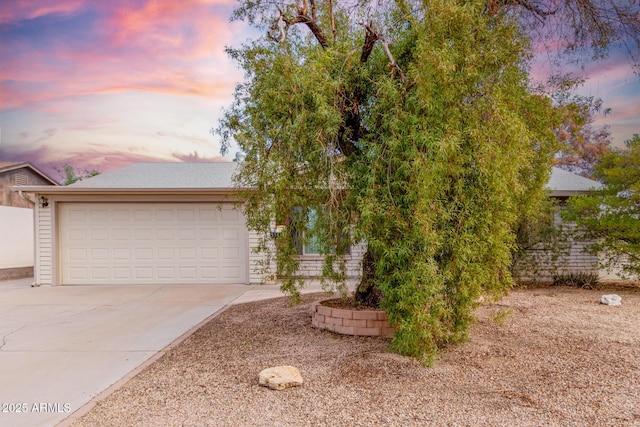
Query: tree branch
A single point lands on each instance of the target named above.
(493, 6)
(333, 21)
(392, 61)
(283, 23)
(313, 10)
(371, 36)
(370, 39)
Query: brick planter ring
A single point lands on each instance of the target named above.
(372, 323)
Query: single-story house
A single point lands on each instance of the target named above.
(572, 258)
(565, 184)
(16, 218)
(174, 223)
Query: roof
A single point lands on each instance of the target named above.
(563, 183)
(164, 175)
(154, 178)
(10, 166)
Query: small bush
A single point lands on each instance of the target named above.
(582, 280)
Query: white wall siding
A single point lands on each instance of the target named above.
(44, 245)
(311, 265)
(16, 237)
(574, 260)
(261, 267)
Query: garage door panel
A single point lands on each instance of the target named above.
(122, 273)
(209, 253)
(166, 273)
(230, 215)
(230, 273)
(99, 273)
(100, 254)
(144, 273)
(209, 215)
(152, 243)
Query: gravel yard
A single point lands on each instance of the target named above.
(558, 358)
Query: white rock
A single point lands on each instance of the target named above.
(280, 377)
(611, 299)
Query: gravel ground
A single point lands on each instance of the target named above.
(557, 359)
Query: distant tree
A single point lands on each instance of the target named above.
(583, 149)
(611, 216)
(581, 145)
(68, 174)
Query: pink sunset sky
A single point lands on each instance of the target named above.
(101, 84)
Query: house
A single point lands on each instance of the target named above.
(569, 257)
(563, 184)
(16, 219)
(150, 223)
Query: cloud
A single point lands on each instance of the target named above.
(196, 158)
(17, 10)
(48, 159)
(77, 49)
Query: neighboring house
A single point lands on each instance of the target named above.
(16, 219)
(150, 223)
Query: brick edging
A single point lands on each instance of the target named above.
(370, 323)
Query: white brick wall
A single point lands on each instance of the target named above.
(575, 261)
(311, 265)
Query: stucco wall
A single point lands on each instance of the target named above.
(16, 241)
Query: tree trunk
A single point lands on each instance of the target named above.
(367, 292)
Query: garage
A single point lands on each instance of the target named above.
(151, 243)
(147, 223)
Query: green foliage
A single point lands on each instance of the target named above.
(611, 216)
(430, 153)
(581, 280)
(70, 176)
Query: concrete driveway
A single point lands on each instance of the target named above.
(62, 346)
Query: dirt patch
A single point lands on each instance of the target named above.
(544, 356)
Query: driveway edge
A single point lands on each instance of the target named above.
(84, 409)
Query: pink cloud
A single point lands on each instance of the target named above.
(172, 48)
(195, 157)
(102, 159)
(17, 10)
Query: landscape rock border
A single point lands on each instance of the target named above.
(372, 323)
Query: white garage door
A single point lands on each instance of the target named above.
(151, 243)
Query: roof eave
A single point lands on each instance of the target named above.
(569, 193)
(46, 190)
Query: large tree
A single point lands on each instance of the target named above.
(407, 125)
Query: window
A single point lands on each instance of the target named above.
(312, 246)
(309, 245)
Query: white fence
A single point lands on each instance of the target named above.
(16, 237)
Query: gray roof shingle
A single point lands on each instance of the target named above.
(165, 175)
(562, 180)
(219, 176)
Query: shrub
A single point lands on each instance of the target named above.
(581, 279)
